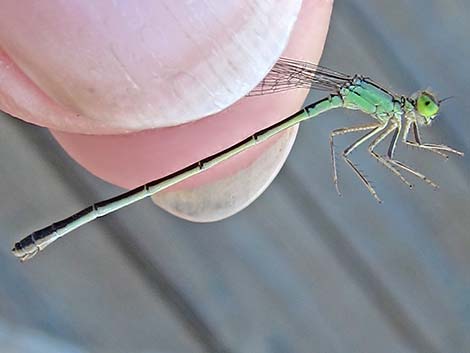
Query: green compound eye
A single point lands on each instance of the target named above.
(427, 105)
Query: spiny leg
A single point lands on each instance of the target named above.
(391, 149)
(414, 172)
(342, 131)
(399, 164)
(351, 148)
(436, 148)
(417, 137)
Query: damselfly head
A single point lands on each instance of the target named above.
(426, 105)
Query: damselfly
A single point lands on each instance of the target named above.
(392, 114)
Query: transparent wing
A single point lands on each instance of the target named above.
(289, 74)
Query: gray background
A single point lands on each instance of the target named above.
(300, 270)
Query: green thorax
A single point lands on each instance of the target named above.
(368, 97)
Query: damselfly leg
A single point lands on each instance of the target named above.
(343, 131)
(380, 158)
(436, 148)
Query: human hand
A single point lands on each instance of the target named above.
(60, 71)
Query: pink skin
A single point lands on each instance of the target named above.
(129, 160)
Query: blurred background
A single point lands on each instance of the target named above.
(301, 269)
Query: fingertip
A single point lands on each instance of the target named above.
(133, 159)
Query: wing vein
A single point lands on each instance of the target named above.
(288, 74)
